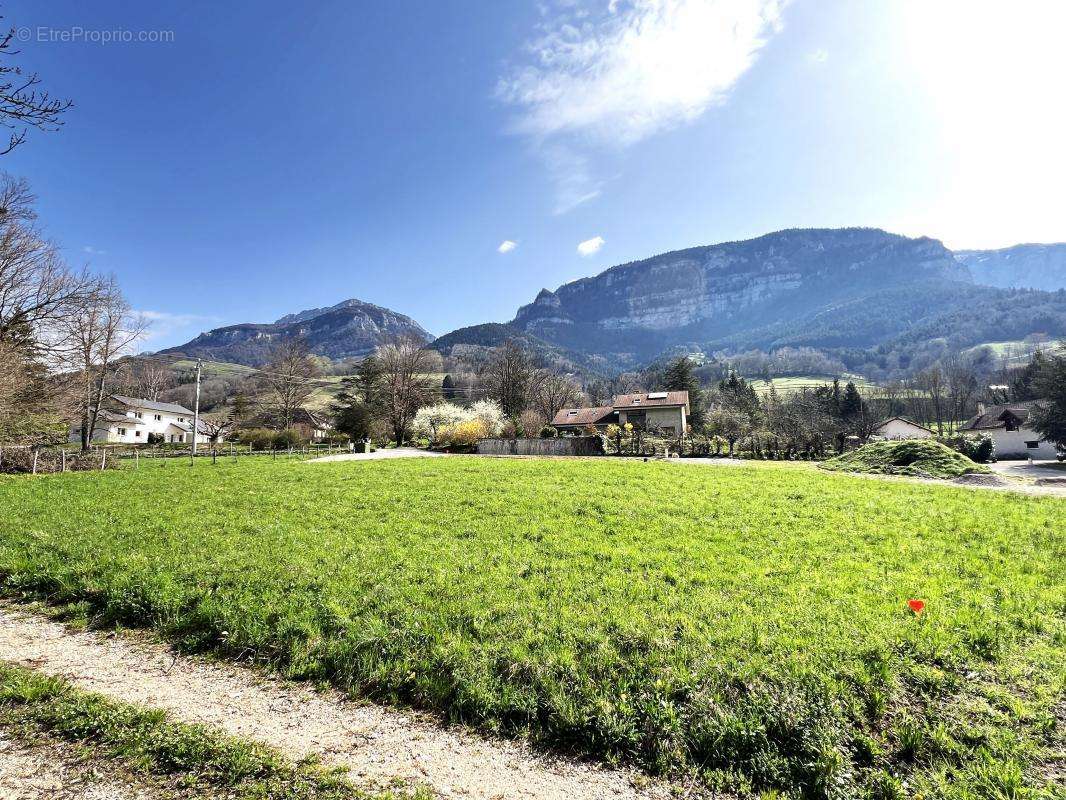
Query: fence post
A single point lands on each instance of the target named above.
(63, 460)
(34, 461)
(103, 459)
(136, 458)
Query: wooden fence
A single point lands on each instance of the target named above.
(44, 460)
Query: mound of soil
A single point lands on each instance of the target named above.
(922, 458)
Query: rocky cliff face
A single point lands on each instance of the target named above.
(634, 311)
(1024, 266)
(349, 329)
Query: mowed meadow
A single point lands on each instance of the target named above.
(745, 627)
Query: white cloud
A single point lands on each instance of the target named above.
(617, 73)
(506, 246)
(649, 65)
(93, 251)
(819, 56)
(591, 246)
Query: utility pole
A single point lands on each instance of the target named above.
(196, 408)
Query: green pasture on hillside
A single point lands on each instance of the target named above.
(745, 626)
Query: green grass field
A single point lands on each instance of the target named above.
(785, 386)
(745, 625)
(214, 369)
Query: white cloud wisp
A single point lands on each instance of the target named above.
(612, 79)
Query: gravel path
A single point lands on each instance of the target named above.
(53, 772)
(378, 745)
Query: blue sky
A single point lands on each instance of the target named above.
(271, 157)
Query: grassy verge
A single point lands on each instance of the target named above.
(747, 624)
(147, 742)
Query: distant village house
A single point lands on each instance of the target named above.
(897, 428)
(1010, 427)
(308, 424)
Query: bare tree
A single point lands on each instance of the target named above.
(153, 378)
(288, 378)
(405, 382)
(932, 381)
(216, 427)
(37, 289)
(102, 331)
(553, 392)
(22, 105)
(508, 379)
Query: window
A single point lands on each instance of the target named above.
(137, 414)
(181, 419)
(121, 431)
(1032, 445)
(136, 433)
(158, 417)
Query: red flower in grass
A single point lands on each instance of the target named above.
(917, 606)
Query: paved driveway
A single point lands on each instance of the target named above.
(1022, 469)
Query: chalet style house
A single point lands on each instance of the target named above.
(1010, 428)
(665, 412)
(132, 420)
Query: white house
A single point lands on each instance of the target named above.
(130, 420)
(901, 428)
(1009, 426)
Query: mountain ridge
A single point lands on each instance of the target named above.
(349, 329)
(832, 288)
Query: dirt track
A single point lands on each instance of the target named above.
(379, 746)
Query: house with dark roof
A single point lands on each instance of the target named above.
(310, 425)
(665, 412)
(133, 420)
(1010, 426)
(575, 420)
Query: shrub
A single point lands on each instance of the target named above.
(258, 438)
(979, 447)
(548, 432)
(463, 434)
(430, 420)
(490, 414)
(919, 457)
(283, 440)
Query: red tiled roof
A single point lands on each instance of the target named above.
(583, 416)
(645, 399)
